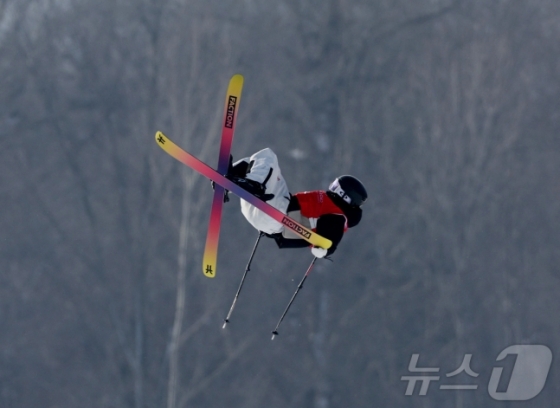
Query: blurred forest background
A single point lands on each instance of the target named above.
(448, 110)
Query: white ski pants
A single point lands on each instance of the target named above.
(266, 170)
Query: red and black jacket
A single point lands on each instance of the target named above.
(329, 215)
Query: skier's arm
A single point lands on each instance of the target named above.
(288, 243)
(331, 226)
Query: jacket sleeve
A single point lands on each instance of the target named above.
(331, 226)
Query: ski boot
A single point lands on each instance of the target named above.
(230, 170)
(252, 186)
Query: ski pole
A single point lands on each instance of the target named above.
(247, 269)
(275, 331)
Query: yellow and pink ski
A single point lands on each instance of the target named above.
(233, 97)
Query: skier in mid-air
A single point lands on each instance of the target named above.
(329, 213)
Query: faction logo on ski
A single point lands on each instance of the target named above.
(230, 113)
(293, 226)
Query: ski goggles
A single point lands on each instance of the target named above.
(335, 188)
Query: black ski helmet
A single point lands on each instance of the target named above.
(350, 189)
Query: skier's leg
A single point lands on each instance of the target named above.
(238, 172)
(264, 169)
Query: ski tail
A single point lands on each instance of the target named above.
(233, 97)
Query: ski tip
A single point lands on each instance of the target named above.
(208, 271)
(161, 139)
(237, 77)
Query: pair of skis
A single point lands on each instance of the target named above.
(209, 263)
